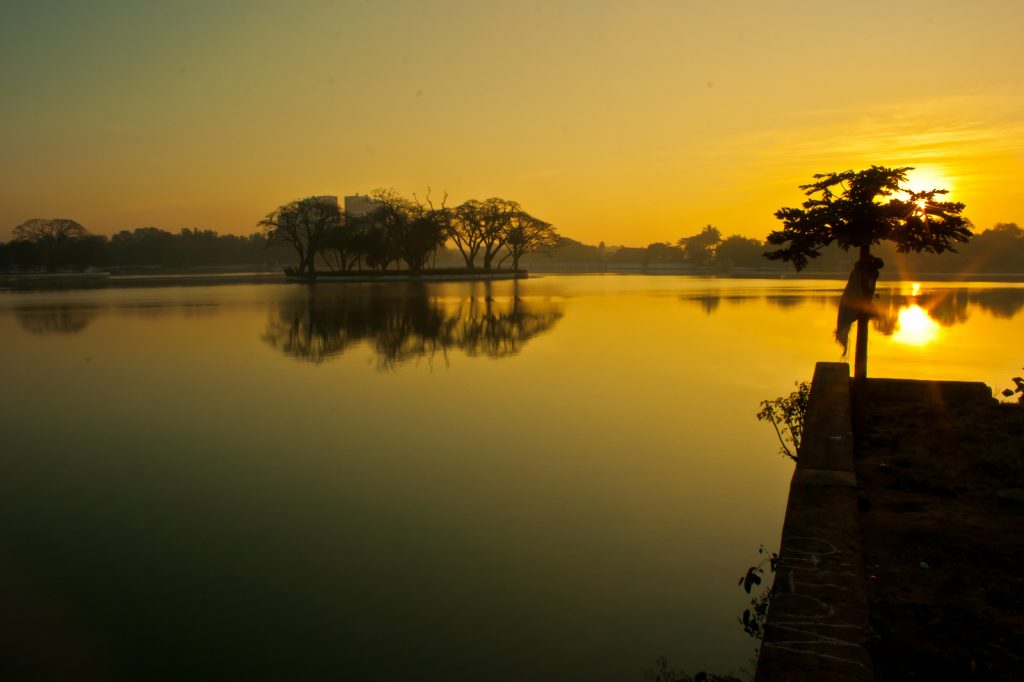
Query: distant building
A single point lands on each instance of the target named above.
(359, 205)
(327, 200)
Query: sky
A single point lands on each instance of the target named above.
(624, 122)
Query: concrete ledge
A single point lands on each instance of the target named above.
(817, 624)
(923, 391)
(827, 442)
(824, 477)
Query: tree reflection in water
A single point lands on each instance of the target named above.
(947, 307)
(404, 322)
(59, 319)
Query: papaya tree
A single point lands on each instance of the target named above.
(856, 210)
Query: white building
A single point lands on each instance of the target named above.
(359, 205)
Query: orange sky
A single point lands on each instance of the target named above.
(623, 122)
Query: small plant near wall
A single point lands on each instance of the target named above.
(753, 618)
(786, 415)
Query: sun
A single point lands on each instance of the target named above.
(925, 178)
(914, 327)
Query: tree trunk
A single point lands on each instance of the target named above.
(859, 387)
(860, 355)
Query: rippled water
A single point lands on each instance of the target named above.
(556, 479)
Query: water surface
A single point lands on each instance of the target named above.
(556, 479)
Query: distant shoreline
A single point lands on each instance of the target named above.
(178, 278)
(445, 275)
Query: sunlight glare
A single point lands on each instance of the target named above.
(914, 327)
(927, 178)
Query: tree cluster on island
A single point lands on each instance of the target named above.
(398, 230)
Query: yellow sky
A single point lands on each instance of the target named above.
(624, 122)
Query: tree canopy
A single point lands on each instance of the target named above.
(739, 251)
(391, 229)
(53, 237)
(402, 229)
(525, 234)
(700, 248)
(861, 208)
(306, 224)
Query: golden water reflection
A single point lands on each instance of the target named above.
(916, 317)
(586, 454)
(915, 327)
(405, 323)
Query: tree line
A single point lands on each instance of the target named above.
(707, 248)
(395, 231)
(393, 237)
(999, 249)
(62, 244)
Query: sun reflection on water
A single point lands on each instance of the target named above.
(915, 327)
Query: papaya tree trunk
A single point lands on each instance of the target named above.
(858, 392)
(867, 282)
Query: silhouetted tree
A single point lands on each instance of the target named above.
(19, 255)
(369, 239)
(52, 237)
(629, 254)
(496, 219)
(145, 246)
(565, 250)
(87, 251)
(856, 209)
(412, 229)
(740, 252)
(700, 248)
(526, 234)
(481, 228)
(662, 252)
(341, 249)
(306, 224)
(1000, 249)
(466, 230)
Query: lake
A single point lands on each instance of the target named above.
(560, 478)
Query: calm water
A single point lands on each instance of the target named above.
(560, 479)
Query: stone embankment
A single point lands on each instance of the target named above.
(931, 511)
(817, 625)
